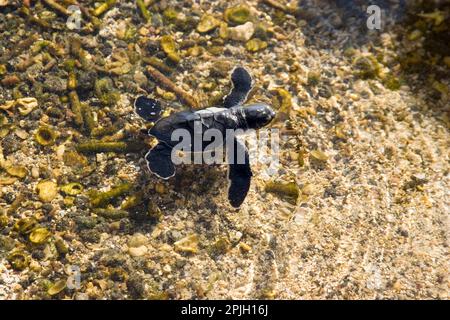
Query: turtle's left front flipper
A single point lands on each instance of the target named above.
(159, 161)
(239, 174)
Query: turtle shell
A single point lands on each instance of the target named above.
(164, 128)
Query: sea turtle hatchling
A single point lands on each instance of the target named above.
(231, 115)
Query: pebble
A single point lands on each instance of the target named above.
(81, 296)
(188, 244)
(137, 240)
(137, 251)
(35, 172)
(55, 84)
(47, 190)
(242, 33)
(207, 23)
(22, 134)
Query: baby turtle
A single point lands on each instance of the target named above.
(231, 115)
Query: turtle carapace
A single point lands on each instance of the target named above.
(231, 115)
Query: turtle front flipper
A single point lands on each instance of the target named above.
(147, 108)
(239, 174)
(159, 161)
(242, 84)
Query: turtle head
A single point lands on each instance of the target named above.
(258, 115)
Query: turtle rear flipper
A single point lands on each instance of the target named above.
(239, 174)
(159, 161)
(242, 84)
(147, 108)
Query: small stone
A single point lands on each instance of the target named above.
(22, 134)
(57, 287)
(397, 286)
(72, 188)
(47, 190)
(195, 51)
(221, 246)
(10, 144)
(288, 190)
(81, 296)
(137, 240)
(137, 251)
(26, 105)
(61, 246)
(10, 80)
(39, 235)
(17, 171)
(35, 266)
(223, 30)
(244, 247)
(299, 219)
(74, 160)
(35, 172)
(207, 23)
(47, 208)
(237, 15)
(308, 189)
(18, 260)
(255, 45)
(169, 47)
(55, 84)
(319, 155)
(159, 187)
(140, 78)
(7, 180)
(188, 244)
(241, 33)
(282, 101)
(8, 105)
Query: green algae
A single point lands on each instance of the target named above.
(101, 199)
(72, 189)
(96, 146)
(111, 214)
(105, 92)
(19, 260)
(237, 15)
(286, 190)
(143, 10)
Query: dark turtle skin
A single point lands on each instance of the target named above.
(232, 115)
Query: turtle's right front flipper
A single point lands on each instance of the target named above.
(239, 174)
(159, 161)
